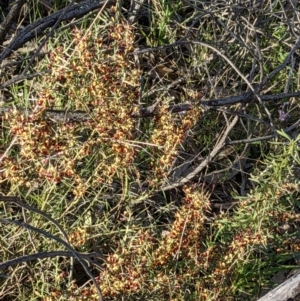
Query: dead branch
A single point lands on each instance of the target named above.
(85, 256)
(64, 116)
(64, 243)
(19, 78)
(10, 18)
(247, 97)
(80, 116)
(37, 28)
(285, 291)
(222, 138)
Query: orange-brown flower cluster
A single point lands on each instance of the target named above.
(127, 269)
(169, 134)
(185, 236)
(95, 74)
(145, 262)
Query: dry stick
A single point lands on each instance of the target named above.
(281, 66)
(46, 234)
(247, 116)
(42, 269)
(292, 127)
(290, 75)
(254, 91)
(85, 256)
(16, 200)
(237, 38)
(35, 29)
(258, 51)
(246, 97)
(250, 140)
(10, 18)
(178, 43)
(230, 171)
(19, 202)
(286, 9)
(12, 143)
(81, 116)
(19, 78)
(206, 161)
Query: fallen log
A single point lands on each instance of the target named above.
(285, 291)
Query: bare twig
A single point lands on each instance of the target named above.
(16, 200)
(35, 29)
(64, 243)
(40, 255)
(10, 18)
(251, 140)
(20, 78)
(80, 116)
(206, 161)
(204, 44)
(63, 116)
(247, 97)
(281, 66)
(29, 233)
(254, 90)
